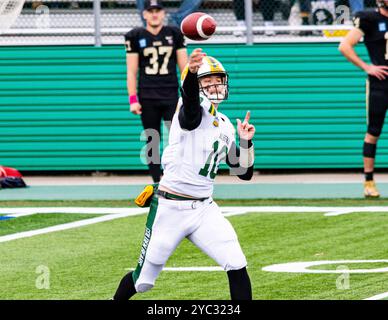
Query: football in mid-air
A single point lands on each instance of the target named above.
(198, 26)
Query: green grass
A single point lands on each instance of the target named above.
(67, 203)
(230, 202)
(38, 221)
(88, 262)
(351, 266)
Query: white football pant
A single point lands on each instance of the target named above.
(170, 221)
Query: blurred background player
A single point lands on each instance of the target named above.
(354, 5)
(200, 138)
(267, 8)
(154, 52)
(187, 7)
(305, 11)
(373, 26)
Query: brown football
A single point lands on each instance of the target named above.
(198, 26)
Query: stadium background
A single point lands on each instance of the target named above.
(75, 231)
(64, 102)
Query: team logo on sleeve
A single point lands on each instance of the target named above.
(356, 22)
(382, 26)
(142, 43)
(225, 138)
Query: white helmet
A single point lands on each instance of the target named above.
(211, 66)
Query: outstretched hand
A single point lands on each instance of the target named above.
(195, 60)
(245, 130)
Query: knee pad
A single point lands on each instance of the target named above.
(369, 150)
(235, 261)
(147, 276)
(236, 265)
(143, 287)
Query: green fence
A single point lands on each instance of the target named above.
(66, 108)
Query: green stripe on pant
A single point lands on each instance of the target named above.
(147, 237)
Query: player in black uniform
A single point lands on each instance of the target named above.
(154, 52)
(373, 26)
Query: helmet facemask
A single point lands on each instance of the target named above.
(216, 93)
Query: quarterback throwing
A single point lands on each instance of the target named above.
(182, 206)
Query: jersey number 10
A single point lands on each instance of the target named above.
(214, 157)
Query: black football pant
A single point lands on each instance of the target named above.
(153, 111)
(377, 105)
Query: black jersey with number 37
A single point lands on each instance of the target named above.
(375, 28)
(157, 61)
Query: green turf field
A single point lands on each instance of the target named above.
(89, 261)
(38, 221)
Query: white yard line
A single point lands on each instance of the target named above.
(227, 211)
(67, 226)
(378, 297)
(328, 211)
(339, 212)
(188, 269)
(233, 211)
(20, 212)
(116, 213)
(346, 210)
(303, 267)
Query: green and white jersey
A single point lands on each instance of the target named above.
(192, 158)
